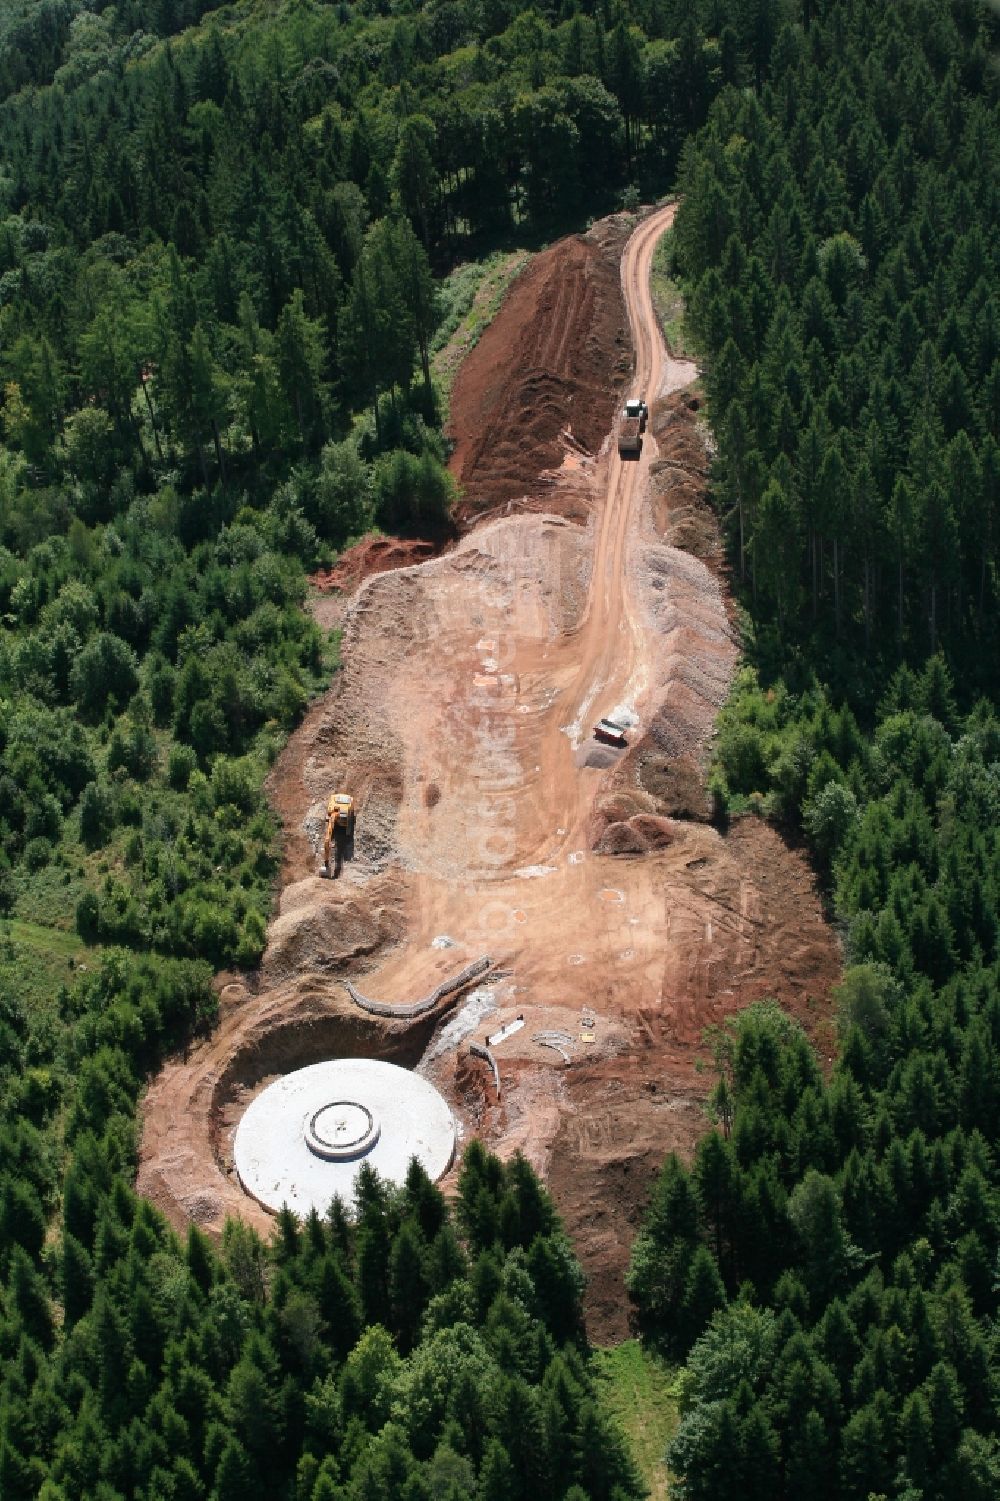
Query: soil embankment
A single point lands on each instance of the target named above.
(619, 923)
(538, 391)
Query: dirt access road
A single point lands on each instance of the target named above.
(487, 815)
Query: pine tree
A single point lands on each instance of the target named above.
(28, 1298)
(703, 1294)
(77, 1280)
(234, 1476)
(408, 1285)
(917, 1440)
(414, 176)
(301, 356)
(199, 1258)
(22, 1221)
(865, 1466)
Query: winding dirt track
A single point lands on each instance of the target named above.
(462, 722)
(613, 641)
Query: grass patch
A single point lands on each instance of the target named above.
(47, 898)
(35, 961)
(668, 302)
(55, 941)
(331, 654)
(637, 1390)
(470, 300)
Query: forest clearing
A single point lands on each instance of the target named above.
(490, 823)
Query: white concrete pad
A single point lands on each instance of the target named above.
(304, 1138)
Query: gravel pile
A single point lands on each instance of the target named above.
(699, 650)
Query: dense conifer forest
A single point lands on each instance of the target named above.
(223, 233)
(829, 1266)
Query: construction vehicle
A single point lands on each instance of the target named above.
(340, 817)
(631, 425)
(609, 732)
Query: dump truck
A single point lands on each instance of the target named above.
(631, 425)
(629, 438)
(610, 732)
(340, 819)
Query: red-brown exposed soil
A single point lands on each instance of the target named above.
(490, 822)
(541, 384)
(369, 556)
(622, 1116)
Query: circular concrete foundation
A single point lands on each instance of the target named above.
(304, 1138)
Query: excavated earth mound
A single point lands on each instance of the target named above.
(678, 489)
(371, 555)
(541, 384)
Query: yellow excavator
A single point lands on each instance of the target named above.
(339, 831)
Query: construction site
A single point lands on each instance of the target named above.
(522, 910)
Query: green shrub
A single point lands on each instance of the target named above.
(412, 494)
(97, 815)
(132, 748)
(253, 939)
(106, 672)
(742, 757)
(181, 762)
(719, 794)
(130, 806)
(88, 917)
(44, 819)
(233, 783)
(159, 679)
(37, 853)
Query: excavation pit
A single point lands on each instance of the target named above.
(303, 1140)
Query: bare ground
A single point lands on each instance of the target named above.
(491, 823)
(540, 386)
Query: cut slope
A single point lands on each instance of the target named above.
(553, 359)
